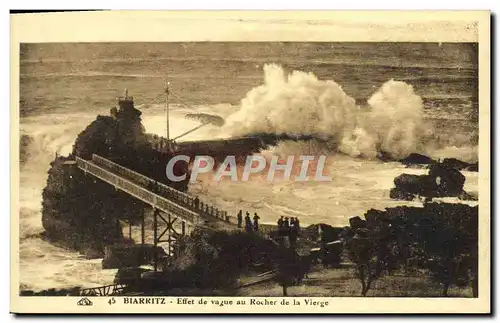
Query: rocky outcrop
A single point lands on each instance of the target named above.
(442, 181)
(133, 255)
(129, 276)
(460, 165)
(321, 232)
(417, 159)
(24, 144)
(81, 212)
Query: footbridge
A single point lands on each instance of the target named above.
(171, 207)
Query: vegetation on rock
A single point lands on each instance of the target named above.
(216, 259)
(438, 238)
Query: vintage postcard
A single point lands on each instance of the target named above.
(250, 162)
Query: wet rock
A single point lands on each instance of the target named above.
(93, 253)
(362, 232)
(473, 167)
(449, 181)
(457, 164)
(357, 223)
(80, 211)
(121, 256)
(321, 232)
(129, 276)
(330, 254)
(442, 181)
(422, 185)
(417, 159)
(375, 217)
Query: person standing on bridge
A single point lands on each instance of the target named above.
(240, 218)
(286, 226)
(297, 225)
(280, 226)
(256, 222)
(196, 203)
(248, 223)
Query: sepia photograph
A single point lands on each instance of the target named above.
(272, 172)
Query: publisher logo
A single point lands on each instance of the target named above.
(84, 302)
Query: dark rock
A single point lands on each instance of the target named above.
(468, 196)
(121, 256)
(417, 159)
(375, 217)
(362, 232)
(455, 163)
(398, 194)
(473, 167)
(82, 212)
(330, 254)
(441, 181)
(129, 276)
(357, 223)
(321, 232)
(410, 185)
(450, 182)
(92, 253)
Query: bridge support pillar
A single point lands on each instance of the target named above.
(155, 237)
(168, 235)
(143, 232)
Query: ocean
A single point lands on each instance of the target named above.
(362, 97)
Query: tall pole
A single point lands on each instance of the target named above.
(155, 238)
(167, 110)
(143, 233)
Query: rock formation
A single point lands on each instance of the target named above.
(81, 212)
(442, 181)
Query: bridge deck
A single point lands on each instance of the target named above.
(137, 185)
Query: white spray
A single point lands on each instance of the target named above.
(300, 103)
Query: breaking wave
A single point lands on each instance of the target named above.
(301, 104)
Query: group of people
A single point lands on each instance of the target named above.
(207, 210)
(287, 225)
(250, 226)
(194, 204)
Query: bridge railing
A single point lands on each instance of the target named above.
(170, 193)
(143, 180)
(138, 191)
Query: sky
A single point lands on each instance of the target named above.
(248, 26)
